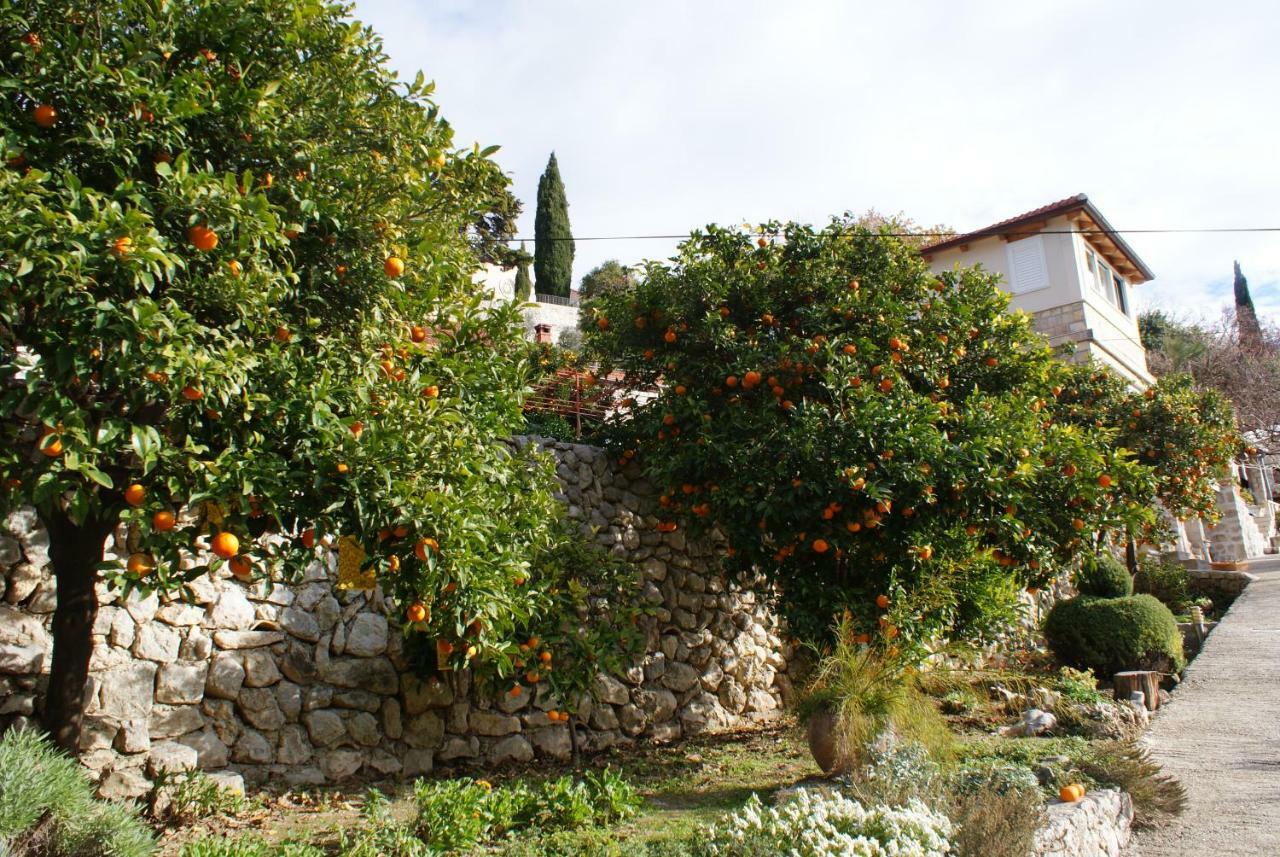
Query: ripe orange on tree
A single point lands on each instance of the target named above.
(163, 521)
(140, 564)
(241, 566)
(393, 266)
(417, 612)
(202, 238)
(44, 115)
(135, 495)
(225, 545)
(424, 547)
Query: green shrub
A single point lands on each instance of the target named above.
(549, 424)
(993, 776)
(184, 797)
(1103, 576)
(220, 846)
(1108, 635)
(46, 801)
(1079, 686)
(1167, 581)
(454, 815)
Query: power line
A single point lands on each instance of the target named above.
(1165, 231)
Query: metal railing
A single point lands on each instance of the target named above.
(555, 299)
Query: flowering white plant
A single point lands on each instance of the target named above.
(824, 823)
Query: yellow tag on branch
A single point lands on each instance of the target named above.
(351, 557)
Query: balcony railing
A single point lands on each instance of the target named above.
(555, 299)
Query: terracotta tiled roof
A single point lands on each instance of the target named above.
(1051, 210)
(1063, 206)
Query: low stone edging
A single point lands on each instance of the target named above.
(1097, 825)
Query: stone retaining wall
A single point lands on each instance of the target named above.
(1097, 825)
(305, 684)
(1216, 584)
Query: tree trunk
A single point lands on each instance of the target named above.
(1146, 681)
(75, 551)
(573, 742)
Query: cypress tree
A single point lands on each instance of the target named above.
(1247, 327)
(553, 240)
(524, 286)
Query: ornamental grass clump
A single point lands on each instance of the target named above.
(870, 691)
(47, 806)
(823, 823)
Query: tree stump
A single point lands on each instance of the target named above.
(1147, 681)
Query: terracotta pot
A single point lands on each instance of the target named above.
(822, 743)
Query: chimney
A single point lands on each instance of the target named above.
(542, 333)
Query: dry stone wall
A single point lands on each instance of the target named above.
(304, 684)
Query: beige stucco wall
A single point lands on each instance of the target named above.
(500, 285)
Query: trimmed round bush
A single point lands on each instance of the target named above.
(1109, 635)
(1103, 576)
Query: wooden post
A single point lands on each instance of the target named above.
(577, 405)
(1146, 681)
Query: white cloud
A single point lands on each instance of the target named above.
(668, 115)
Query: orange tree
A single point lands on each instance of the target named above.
(868, 435)
(235, 261)
(1186, 437)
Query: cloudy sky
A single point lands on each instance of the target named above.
(669, 115)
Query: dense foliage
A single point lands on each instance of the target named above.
(553, 239)
(589, 625)
(1108, 635)
(1183, 436)
(237, 299)
(607, 277)
(868, 434)
(1167, 581)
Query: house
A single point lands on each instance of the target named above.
(547, 316)
(1065, 265)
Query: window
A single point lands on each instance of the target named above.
(1105, 281)
(1027, 268)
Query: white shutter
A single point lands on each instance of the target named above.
(1027, 268)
